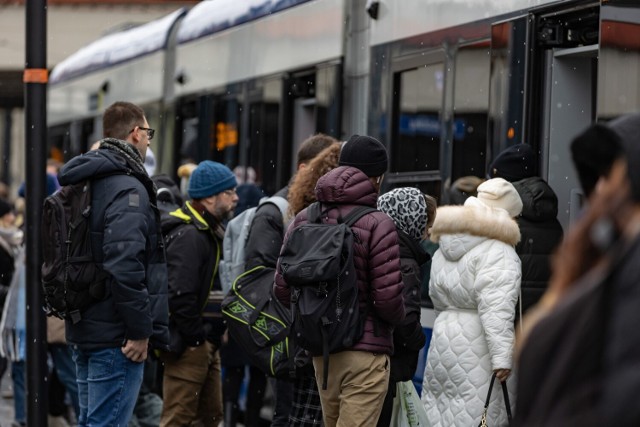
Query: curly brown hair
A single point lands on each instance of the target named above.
(302, 190)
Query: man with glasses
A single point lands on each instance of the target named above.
(192, 385)
(114, 335)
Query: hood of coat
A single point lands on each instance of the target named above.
(459, 229)
(539, 202)
(627, 127)
(91, 164)
(346, 185)
(455, 246)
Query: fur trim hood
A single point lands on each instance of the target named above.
(476, 220)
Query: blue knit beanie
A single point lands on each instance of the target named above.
(210, 178)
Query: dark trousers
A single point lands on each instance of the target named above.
(387, 406)
(284, 397)
(233, 378)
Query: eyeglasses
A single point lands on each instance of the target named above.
(150, 132)
(230, 192)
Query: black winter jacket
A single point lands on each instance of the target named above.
(126, 240)
(265, 235)
(540, 234)
(580, 365)
(193, 256)
(408, 337)
(10, 239)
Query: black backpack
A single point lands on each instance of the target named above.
(317, 263)
(71, 279)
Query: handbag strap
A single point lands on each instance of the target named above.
(505, 393)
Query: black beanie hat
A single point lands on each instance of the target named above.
(514, 163)
(365, 153)
(5, 207)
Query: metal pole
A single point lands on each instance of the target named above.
(6, 154)
(35, 80)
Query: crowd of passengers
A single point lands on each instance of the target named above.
(529, 320)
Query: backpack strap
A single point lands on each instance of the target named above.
(280, 202)
(357, 213)
(314, 212)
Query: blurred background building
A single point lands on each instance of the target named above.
(71, 24)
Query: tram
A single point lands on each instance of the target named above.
(444, 84)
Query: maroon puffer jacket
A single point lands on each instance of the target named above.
(376, 254)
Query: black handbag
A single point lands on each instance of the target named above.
(505, 392)
(259, 323)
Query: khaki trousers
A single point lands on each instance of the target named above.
(356, 387)
(192, 388)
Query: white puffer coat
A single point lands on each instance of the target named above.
(474, 285)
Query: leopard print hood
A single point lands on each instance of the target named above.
(407, 208)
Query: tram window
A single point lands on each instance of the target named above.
(416, 129)
(327, 104)
(210, 129)
(430, 186)
(619, 91)
(263, 135)
(58, 137)
(224, 131)
(262, 148)
(81, 137)
(471, 111)
(186, 136)
(189, 149)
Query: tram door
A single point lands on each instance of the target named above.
(594, 76)
(545, 93)
(312, 104)
(569, 108)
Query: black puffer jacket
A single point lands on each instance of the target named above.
(126, 240)
(376, 255)
(540, 234)
(193, 256)
(265, 235)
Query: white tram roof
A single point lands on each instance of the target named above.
(116, 48)
(212, 16)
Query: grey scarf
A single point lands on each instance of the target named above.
(127, 150)
(134, 161)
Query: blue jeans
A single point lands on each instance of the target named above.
(66, 370)
(19, 391)
(108, 386)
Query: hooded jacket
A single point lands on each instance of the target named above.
(193, 256)
(541, 233)
(475, 279)
(376, 254)
(408, 338)
(126, 241)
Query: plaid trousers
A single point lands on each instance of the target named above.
(305, 407)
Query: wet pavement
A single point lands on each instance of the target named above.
(6, 402)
